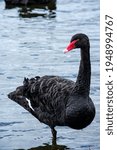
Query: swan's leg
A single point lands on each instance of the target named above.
(54, 134)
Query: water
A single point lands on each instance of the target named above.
(33, 46)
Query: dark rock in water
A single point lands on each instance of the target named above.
(31, 3)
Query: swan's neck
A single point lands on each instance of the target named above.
(82, 85)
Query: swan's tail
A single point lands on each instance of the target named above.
(20, 95)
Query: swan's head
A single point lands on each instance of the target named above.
(77, 41)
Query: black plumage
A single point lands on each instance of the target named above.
(56, 101)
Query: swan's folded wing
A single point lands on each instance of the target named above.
(50, 95)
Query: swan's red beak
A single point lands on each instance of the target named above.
(70, 46)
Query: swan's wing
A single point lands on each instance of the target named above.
(47, 98)
(51, 90)
(50, 97)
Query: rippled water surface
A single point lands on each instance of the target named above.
(34, 46)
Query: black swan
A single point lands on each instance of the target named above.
(50, 4)
(56, 101)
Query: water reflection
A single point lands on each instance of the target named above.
(26, 12)
(50, 147)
